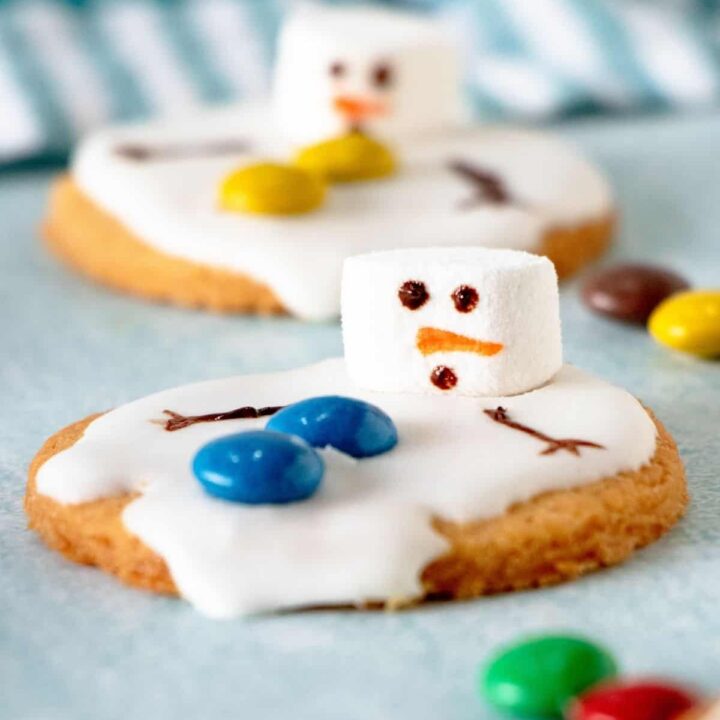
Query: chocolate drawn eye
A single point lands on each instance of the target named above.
(383, 75)
(413, 294)
(337, 69)
(465, 298)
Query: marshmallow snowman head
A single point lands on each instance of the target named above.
(469, 321)
(384, 72)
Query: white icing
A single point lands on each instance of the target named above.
(518, 309)
(366, 534)
(172, 204)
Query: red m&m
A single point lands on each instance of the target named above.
(642, 700)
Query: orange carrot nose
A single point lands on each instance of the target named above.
(356, 108)
(431, 340)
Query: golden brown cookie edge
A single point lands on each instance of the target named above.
(92, 533)
(92, 241)
(551, 538)
(560, 535)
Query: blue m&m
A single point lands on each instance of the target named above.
(259, 467)
(351, 426)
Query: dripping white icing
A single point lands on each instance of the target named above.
(366, 534)
(171, 204)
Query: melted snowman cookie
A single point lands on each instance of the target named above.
(353, 481)
(145, 208)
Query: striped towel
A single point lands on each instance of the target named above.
(67, 66)
(541, 58)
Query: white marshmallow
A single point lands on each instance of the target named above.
(412, 55)
(509, 343)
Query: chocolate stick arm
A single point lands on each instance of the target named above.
(176, 421)
(571, 445)
(139, 152)
(489, 187)
(474, 173)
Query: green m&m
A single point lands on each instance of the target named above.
(539, 676)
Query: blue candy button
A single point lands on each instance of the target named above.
(352, 426)
(259, 467)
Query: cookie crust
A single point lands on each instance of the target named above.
(92, 241)
(551, 538)
(87, 238)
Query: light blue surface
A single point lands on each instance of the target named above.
(76, 645)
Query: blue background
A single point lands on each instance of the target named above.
(614, 56)
(76, 644)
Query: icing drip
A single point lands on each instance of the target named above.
(367, 533)
(171, 204)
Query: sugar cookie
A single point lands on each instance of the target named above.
(374, 100)
(407, 490)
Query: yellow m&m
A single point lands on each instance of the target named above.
(348, 158)
(272, 189)
(689, 321)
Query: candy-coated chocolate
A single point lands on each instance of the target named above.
(352, 426)
(689, 321)
(630, 291)
(259, 467)
(626, 700)
(539, 676)
(348, 158)
(272, 189)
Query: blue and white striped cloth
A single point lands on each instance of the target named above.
(545, 57)
(67, 66)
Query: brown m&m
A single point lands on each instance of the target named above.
(630, 292)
